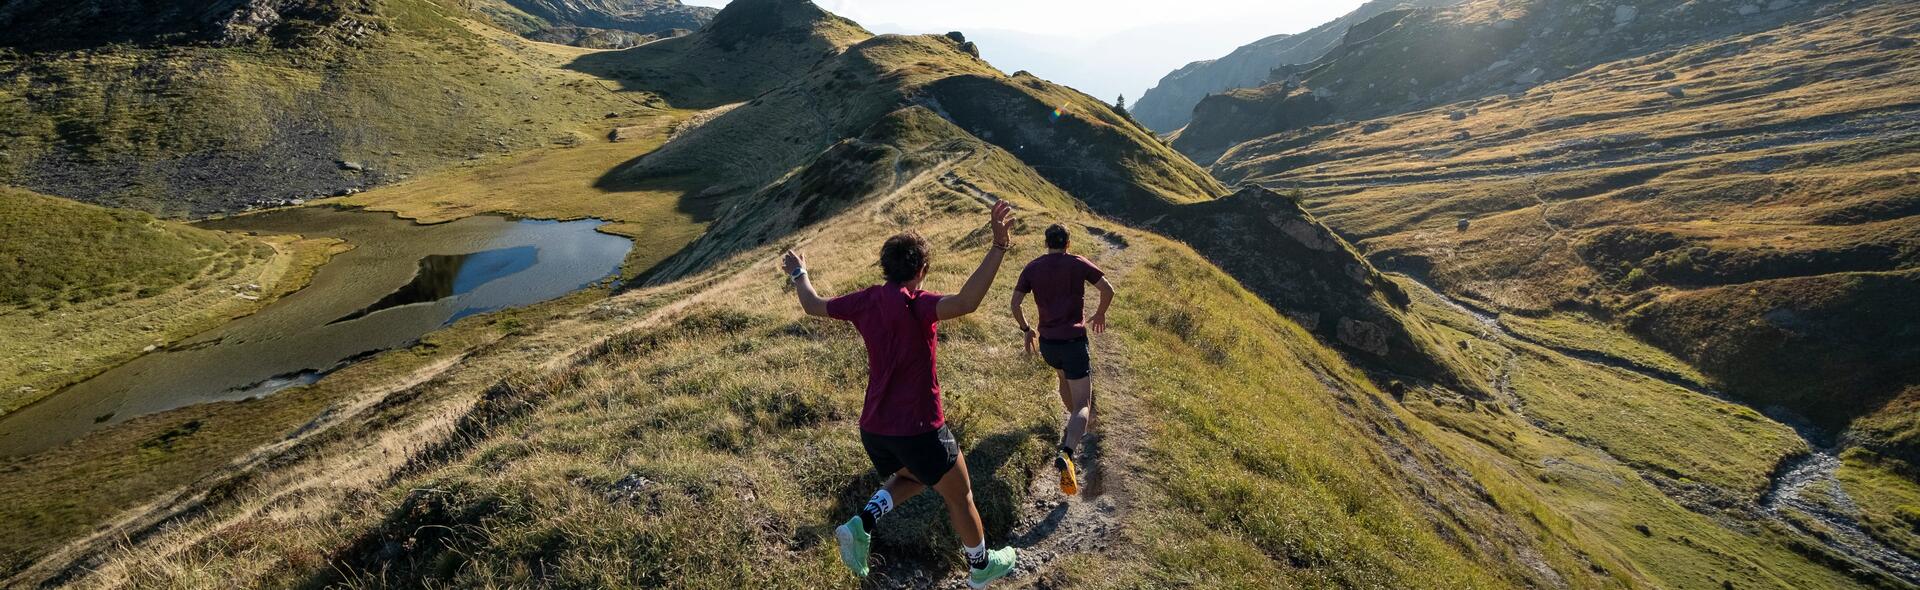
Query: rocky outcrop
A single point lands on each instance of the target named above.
(1168, 106)
(598, 24)
(593, 38)
(1282, 253)
(35, 25)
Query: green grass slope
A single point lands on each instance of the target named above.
(358, 95)
(60, 252)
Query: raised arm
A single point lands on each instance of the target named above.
(796, 267)
(1099, 320)
(970, 295)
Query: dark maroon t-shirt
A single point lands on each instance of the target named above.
(898, 325)
(1058, 283)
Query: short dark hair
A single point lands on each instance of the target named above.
(902, 257)
(1056, 237)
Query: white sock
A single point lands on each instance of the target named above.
(977, 555)
(881, 503)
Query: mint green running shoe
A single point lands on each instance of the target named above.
(999, 564)
(855, 543)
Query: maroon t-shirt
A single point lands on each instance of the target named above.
(898, 325)
(1058, 283)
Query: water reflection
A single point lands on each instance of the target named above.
(400, 281)
(443, 276)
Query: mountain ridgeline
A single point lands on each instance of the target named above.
(1333, 361)
(1168, 106)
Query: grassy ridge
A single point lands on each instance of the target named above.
(59, 252)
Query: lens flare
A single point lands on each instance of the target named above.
(1058, 112)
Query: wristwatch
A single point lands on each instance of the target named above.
(797, 273)
(1026, 330)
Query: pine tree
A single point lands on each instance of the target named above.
(1121, 105)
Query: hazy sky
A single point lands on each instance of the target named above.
(1102, 47)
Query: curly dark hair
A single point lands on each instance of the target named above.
(1056, 236)
(902, 257)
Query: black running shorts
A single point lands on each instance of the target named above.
(927, 456)
(1069, 356)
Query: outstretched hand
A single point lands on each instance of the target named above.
(1002, 214)
(792, 262)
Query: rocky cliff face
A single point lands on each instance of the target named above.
(1271, 244)
(1168, 106)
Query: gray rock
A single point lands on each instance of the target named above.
(351, 165)
(1456, 115)
(1664, 75)
(1462, 224)
(1624, 14)
(1462, 135)
(1529, 77)
(1676, 92)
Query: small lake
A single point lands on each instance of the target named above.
(400, 281)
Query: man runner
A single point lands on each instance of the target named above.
(1058, 282)
(902, 425)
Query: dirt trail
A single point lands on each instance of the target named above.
(1051, 526)
(1807, 487)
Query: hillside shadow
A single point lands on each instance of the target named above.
(654, 68)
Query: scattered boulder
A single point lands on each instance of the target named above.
(351, 165)
(1529, 77)
(1362, 335)
(1462, 224)
(1676, 92)
(613, 115)
(957, 36)
(1892, 43)
(1462, 135)
(1456, 115)
(970, 48)
(1664, 75)
(1373, 127)
(625, 133)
